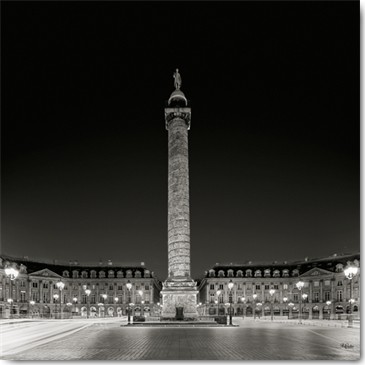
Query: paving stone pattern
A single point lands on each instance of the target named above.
(253, 342)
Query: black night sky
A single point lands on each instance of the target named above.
(274, 143)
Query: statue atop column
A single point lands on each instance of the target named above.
(177, 77)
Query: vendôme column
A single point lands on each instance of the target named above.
(179, 290)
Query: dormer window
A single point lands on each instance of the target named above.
(65, 274)
(129, 273)
(221, 273)
(147, 274)
(230, 273)
(267, 273)
(339, 268)
(285, 272)
(93, 274)
(75, 274)
(120, 274)
(295, 272)
(276, 274)
(110, 274)
(137, 274)
(211, 273)
(84, 274)
(248, 273)
(102, 274)
(239, 274)
(258, 274)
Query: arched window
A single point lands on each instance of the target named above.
(230, 273)
(84, 274)
(147, 274)
(221, 273)
(93, 274)
(110, 274)
(267, 273)
(239, 274)
(129, 273)
(339, 268)
(257, 273)
(65, 274)
(137, 274)
(248, 273)
(295, 272)
(276, 274)
(120, 274)
(101, 274)
(285, 272)
(75, 274)
(212, 273)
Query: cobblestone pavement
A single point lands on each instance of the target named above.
(251, 341)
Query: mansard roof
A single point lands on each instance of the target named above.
(326, 263)
(33, 266)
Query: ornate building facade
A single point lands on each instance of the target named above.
(85, 290)
(271, 289)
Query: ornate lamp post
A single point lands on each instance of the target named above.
(300, 285)
(218, 294)
(291, 305)
(259, 304)
(69, 305)
(304, 297)
(254, 296)
(104, 296)
(55, 297)
(116, 299)
(272, 292)
(74, 299)
(140, 292)
(129, 287)
(60, 285)
(230, 287)
(350, 273)
(285, 299)
(12, 273)
(32, 302)
(87, 292)
(243, 300)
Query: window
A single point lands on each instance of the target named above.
(137, 274)
(220, 286)
(111, 287)
(339, 283)
(110, 274)
(285, 272)
(211, 273)
(45, 285)
(22, 283)
(22, 296)
(129, 274)
(211, 286)
(230, 273)
(327, 295)
(248, 273)
(221, 299)
(276, 286)
(120, 287)
(75, 274)
(267, 272)
(212, 298)
(93, 274)
(221, 273)
(83, 298)
(65, 274)
(239, 273)
(119, 274)
(339, 295)
(285, 286)
(316, 297)
(257, 273)
(147, 274)
(295, 272)
(34, 285)
(276, 273)
(327, 282)
(267, 287)
(295, 297)
(315, 283)
(101, 274)
(84, 274)
(146, 287)
(258, 286)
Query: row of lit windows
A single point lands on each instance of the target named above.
(111, 274)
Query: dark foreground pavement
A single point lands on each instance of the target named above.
(251, 341)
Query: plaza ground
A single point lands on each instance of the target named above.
(109, 339)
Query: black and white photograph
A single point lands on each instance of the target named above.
(180, 180)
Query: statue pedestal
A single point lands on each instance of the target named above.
(181, 294)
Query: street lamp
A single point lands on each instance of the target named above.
(218, 294)
(272, 292)
(129, 287)
(243, 300)
(87, 292)
(60, 285)
(74, 299)
(12, 273)
(230, 287)
(55, 297)
(350, 273)
(32, 302)
(140, 292)
(254, 296)
(104, 296)
(300, 285)
(259, 304)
